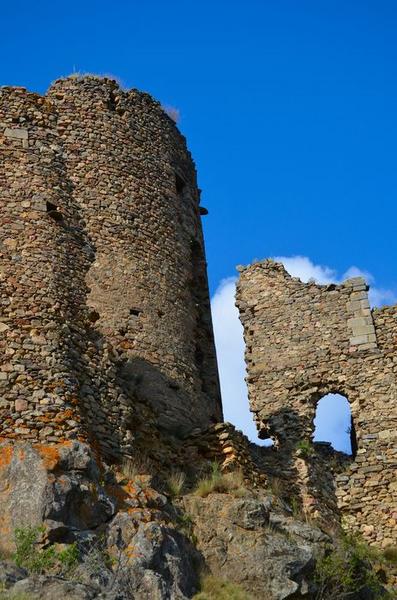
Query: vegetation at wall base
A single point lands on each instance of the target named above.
(349, 568)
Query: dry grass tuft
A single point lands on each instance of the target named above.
(133, 467)
(175, 484)
(222, 483)
(277, 487)
(218, 589)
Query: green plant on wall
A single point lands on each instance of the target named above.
(305, 448)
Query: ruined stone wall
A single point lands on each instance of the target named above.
(304, 341)
(105, 304)
(39, 273)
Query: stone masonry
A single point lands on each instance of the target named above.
(304, 341)
(103, 285)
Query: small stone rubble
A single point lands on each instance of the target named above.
(230, 448)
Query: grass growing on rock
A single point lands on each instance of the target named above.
(222, 483)
(176, 483)
(10, 595)
(218, 589)
(390, 554)
(133, 467)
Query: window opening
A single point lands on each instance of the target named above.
(53, 212)
(179, 184)
(334, 424)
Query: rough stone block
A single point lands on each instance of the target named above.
(354, 281)
(17, 133)
(358, 339)
(359, 330)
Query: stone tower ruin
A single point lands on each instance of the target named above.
(104, 295)
(304, 341)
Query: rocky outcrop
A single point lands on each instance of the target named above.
(58, 486)
(49, 588)
(128, 543)
(253, 542)
(132, 542)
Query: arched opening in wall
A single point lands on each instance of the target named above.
(334, 424)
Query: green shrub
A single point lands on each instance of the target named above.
(28, 555)
(41, 560)
(305, 448)
(68, 558)
(296, 507)
(348, 569)
(390, 554)
(218, 589)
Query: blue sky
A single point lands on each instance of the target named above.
(289, 109)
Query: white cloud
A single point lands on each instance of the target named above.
(230, 344)
(356, 272)
(173, 112)
(230, 350)
(302, 267)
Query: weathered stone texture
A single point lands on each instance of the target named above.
(104, 296)
(304, 341)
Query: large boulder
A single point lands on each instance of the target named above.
(53, 588)
(129, 546)
(243, 541)
(154, 560)
(57, 486)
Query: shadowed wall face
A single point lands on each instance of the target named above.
(304, 341)
(104, 288)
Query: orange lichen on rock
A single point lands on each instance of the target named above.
(142, 515)
(50, 453)
(6, 453)
(50, 456)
